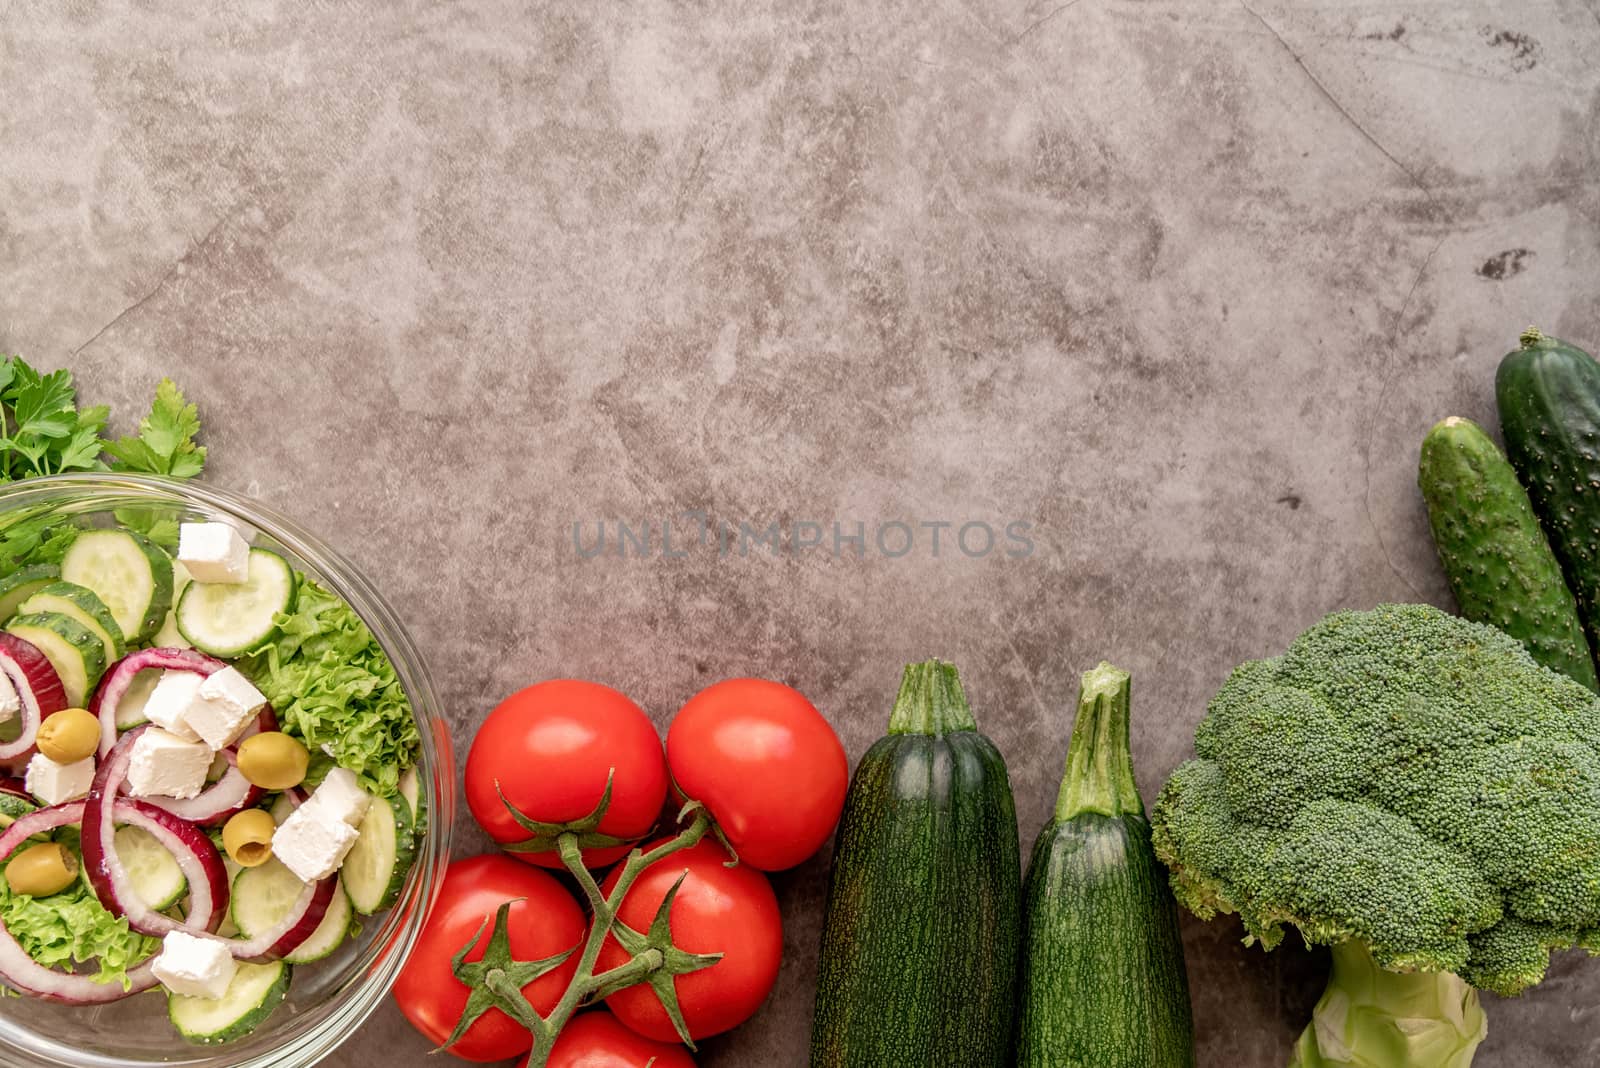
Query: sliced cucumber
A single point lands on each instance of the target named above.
(256, 990)
(330, 933)
(282, 806)
(374, 872)
(225, 619)
(130, 710)
(227, 928)
(73, 650)
(169, 636)
(80, 603)
(24, 583)
(130, 573)
(153, 872)
(262, 896)
(411, 790)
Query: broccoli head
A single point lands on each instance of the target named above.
(1400, 778)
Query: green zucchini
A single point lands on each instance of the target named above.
(1493, 550)
(1102, 975)
(919, 946)
(1548, 393)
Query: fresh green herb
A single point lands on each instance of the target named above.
(332, 685)
(43, 432)
(72, 927)
(165, 442)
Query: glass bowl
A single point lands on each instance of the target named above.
(328, 1000)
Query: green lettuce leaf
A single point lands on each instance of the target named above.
(331, 684)
(73, 929)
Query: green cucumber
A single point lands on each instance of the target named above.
(1103, 978)
(129, 572)
(1494, 553)
(73, 650)
(22, 584)
(227, 928)
(919, 947)
(1548, 393)
(81, 604)
(168, 636)
(152, 871)
(130, 710)
(411, 789)
(374, 871)
(262, 896)
(282, 808)
(256, 991)
(227, 618)
(330, 933)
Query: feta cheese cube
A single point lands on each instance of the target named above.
(312, 843)
(213, 552)
(164, 765)
(169, 703)
(194, 967)
(340, 798)
(222, 707)
(10, 701)
(54, 783)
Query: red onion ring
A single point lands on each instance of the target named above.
(20, 971)
(197, 857)
(301, 922)
(38, 689)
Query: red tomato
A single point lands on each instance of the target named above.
(731, 911)
(546, 922)
(597, 1040)
(766, 764)
(550, 748)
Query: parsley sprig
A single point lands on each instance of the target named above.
(44, 432)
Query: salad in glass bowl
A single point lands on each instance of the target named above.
(224, 791)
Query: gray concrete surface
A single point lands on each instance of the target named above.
(1180, 284)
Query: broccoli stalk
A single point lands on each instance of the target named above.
(1412, 789)
(1370, 1017)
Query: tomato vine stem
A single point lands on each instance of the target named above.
(498, 978)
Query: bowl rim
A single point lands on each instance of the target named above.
(402, 924)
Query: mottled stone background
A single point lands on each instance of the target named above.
(1180, 283)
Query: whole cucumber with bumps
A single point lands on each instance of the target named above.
(1548, 392)
(1494, 552)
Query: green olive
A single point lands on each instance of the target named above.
(273, 760)
(247, 837)
(69, 736)
(41, 870)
